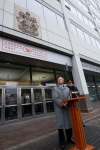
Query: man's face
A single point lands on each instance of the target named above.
(60, 80)
(70, 83)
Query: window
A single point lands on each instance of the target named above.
(49, 101)
(42, 76)
(91, 24)
(92, 2)
(98, 44)
(80, 16)
(1, 16)
(67, 5)
(74, 30)
(98, 21)
(74, 11)
(0, 97)
(56, 31)
(50, 16)
(8, 6)
(61, 26)
(21, 3)
(1, 4)
(33, 6)
(82, 6)
(81, 35)
(58, 0)
(38, 101)
(8, 19)
(14, 73)
(93, 42)
(87, 37)
(92, 8)
(86, 20)
(11, 103)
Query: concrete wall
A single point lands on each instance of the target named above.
(81, 25)
(82, 37)
(52, 27)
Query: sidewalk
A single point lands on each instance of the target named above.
(25, 131)
(40, 133)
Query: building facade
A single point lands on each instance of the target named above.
(43, 39)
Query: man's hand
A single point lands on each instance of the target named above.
(63, 103)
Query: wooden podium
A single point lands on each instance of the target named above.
(77, 125)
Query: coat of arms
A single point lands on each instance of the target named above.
(27, 22)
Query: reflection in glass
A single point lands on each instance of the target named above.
(18, 74)
(26, 110)
(11, 96)
(0, 96)
(48, 93)
(92, 91)
(39, 108)
(0, 113)
(11, 113)
(50, 107)
(98, 89)
(26, 96)
(37, 95)
(41, 76)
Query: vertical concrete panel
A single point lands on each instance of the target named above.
(80, 82)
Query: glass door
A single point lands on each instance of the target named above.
(0, 104)
(26, 102)
(38, 101)
(98, 88)
(11, 110)
(49, 101)
(92, 91)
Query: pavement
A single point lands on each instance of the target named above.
(41, 134)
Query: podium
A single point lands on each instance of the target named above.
(77, 125)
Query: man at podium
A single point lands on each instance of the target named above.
(61, 94)
(73, 89)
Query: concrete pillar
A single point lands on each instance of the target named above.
(77, 69)
(80, 82)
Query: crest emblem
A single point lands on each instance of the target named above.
(27, 23)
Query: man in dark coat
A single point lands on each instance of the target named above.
(73, 89)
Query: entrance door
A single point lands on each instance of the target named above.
(92, 91)
(49, 100)
(22, 102)
(1, 105)
(38, 101)
(11, 110)
(26, 102)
